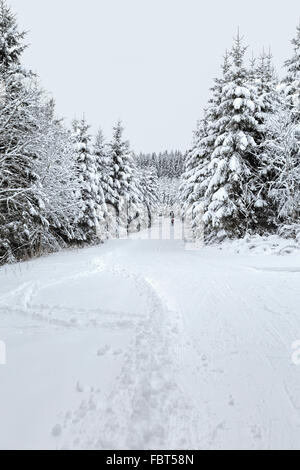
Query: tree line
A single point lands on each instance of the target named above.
(58, 186)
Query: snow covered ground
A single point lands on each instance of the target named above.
(143, 344)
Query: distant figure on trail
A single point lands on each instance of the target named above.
(172, 215)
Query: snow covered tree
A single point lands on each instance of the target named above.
(197, 173)
(38, 182)
(22, 222)
(192, 189)
(230, 197)
(167, 164)
(121, 193)
(101, 156)
(282, 153)
(91, 216)
(149, 194)
(102, 161)
(263, 78)
(169, 167)
(252, 75)
(266, 83)
(11, 39)
(292, 79)
(57, 171)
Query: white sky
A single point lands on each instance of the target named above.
(148, 62)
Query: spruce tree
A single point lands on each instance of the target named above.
(57, 171)
(230, 195)
(148, 188)
(206, 145)
(102, 161)
(266, 83)
(198, 171)
(292, 79)
(91, 215)
(23, 225)
(192, 188)
(282, 152)
(122, 192)
(11, 39)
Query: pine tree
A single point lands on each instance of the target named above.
(57, 171)
(103, 169)
(266, 83)
(192, 189)
(282, 152)
(22, 222)
(230, 195)
(23, 225)
(292, 79)
(122, 192)
(148, 187)
(197, 166)
(205, 148)
(102, 164)
(91, 216)
(11, 39)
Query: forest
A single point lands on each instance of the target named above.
(63, 187)
(149, 298)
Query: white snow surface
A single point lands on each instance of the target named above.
(148, 344)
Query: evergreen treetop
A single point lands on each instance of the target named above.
(11, 39)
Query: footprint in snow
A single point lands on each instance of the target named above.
(81, 388)
(104, 350)
(57, 430)
(204, 360)
(256, 432)
(117, 352)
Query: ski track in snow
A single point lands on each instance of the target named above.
(21, 301)
(154, 413)
(205, 362)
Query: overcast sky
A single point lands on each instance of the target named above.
(148, 62)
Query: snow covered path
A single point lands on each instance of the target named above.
(142, 344)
